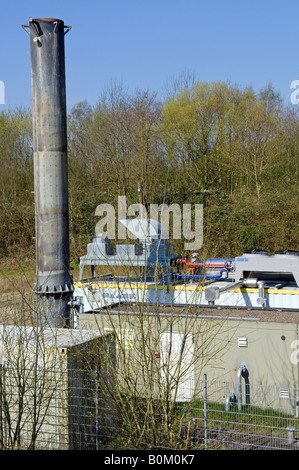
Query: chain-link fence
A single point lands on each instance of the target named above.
(75, 412)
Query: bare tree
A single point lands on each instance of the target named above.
(161, 352)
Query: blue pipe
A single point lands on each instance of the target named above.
(202, 276)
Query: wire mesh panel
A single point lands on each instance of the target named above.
(72, 410)
(267, 422)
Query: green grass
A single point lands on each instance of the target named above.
(252, 418)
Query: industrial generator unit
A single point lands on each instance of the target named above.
(254, 280)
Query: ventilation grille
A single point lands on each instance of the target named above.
(284, 393)
(242, 342)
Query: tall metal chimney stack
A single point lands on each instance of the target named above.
(54, 284)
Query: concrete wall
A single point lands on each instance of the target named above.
(61, 374)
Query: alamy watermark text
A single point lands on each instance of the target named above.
(186, 220)
(295, 93)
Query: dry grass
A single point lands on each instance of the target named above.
(16, 279)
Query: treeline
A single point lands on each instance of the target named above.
(230, 149)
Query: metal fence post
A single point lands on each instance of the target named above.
(205, 410)
(291, 434)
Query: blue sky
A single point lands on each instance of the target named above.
(147, 43)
